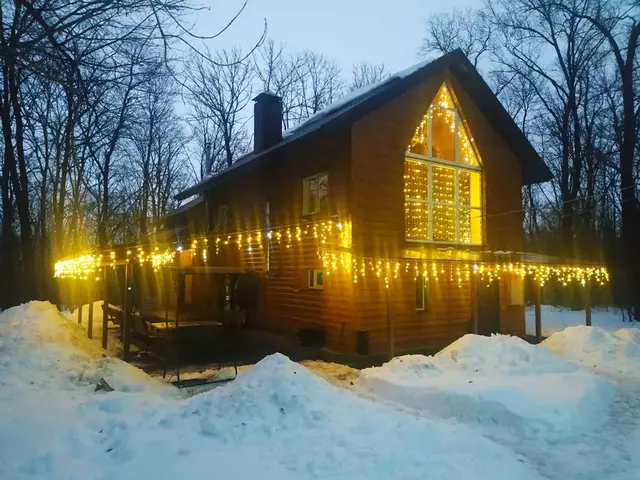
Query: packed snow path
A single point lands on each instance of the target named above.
(486, 383)
(607, 453)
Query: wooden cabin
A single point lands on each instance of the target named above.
(424, 168)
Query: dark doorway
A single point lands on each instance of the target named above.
(488, 308)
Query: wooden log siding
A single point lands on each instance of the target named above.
(291, 305)
(365, 167)
(378, 145)
(446, 317)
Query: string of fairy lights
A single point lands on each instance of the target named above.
(442, 204)
(327, 236)
(87, 266)
(458, 271)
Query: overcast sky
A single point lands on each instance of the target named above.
(378, 31)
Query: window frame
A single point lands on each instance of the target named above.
(305, 207)
(223, 220)
(458, 167)
(312, 279)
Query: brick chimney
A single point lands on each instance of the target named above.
(267, 121)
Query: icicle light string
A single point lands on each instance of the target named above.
(459, 271)
(86, 266)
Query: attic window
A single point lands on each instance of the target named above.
(315, 194)
(443, 178)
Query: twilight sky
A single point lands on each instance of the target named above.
(378, 31)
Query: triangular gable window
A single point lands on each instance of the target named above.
(442, 134)
(443, 183)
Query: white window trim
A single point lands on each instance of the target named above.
(316, 176)
(313, 284)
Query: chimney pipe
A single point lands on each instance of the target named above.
(267, 121)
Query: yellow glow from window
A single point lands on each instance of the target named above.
(443, 203)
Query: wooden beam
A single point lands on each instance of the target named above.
(587, 305)
(90, 319)
(105, 307)
(80, 312)
(475, 298)
(390, 330)
(538, 309)
(126, 343)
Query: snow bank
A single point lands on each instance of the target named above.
(498, 380)
(598, 349)
(629, 334)
(276, 420)
(556, 319)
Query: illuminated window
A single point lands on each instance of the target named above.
(443, 178)
(315, 194)
(315, 279)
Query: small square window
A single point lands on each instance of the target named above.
(315, 194)
(315, 279)
(421, 294)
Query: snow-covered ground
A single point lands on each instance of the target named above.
(494, 408)
(555, 319)
(570, 406)
(276, 420)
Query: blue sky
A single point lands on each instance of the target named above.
(377, 31)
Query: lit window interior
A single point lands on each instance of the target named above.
(443, 184)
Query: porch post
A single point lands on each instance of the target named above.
(80, 312)
(105, 307)
(126, 344)
(587, 304)
(390, 333)
(474, 302)
(538, 306)
(90, 319)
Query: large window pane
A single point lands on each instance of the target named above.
(444, 185)
(466, 152)
(416, 221)
(444, 223)
(419, 141)
(416, 185)
(470, 225)
(310, 202)
(469, 193)
(443, 133)
(323, 193)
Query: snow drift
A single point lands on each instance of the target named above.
(276, 420)
(501, 381)
(614, 354)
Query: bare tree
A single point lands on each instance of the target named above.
(363, 74)
(70, 82)
(467, 29)
(280, 72)
(555, 51)
(319, 83)
(219, 88)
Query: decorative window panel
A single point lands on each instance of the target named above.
(443, 178)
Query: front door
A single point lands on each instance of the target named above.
(488, 308)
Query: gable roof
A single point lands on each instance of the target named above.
(361, 102)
